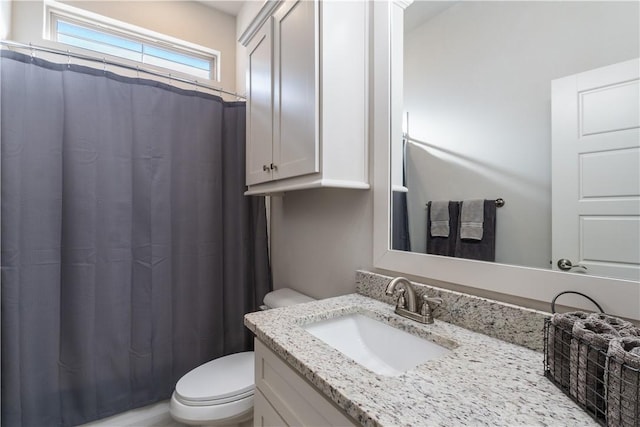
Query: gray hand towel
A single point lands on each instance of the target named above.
(589, 344)
(445, 246)
(624, 327)
(623, 382)
(559, 348)
(440, 218)
(471, 219)
(485, 249)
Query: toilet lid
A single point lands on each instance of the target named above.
(221, 380)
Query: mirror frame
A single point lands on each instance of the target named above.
(616, 296)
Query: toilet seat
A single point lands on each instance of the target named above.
(220, 390)
(223, 380)
(212, 402)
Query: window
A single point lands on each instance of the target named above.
(170, 54)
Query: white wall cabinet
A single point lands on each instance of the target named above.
(284, 398)
(307, 96)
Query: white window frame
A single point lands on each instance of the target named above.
(55, 11)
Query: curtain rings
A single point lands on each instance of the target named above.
(68, 58)
(104, 65)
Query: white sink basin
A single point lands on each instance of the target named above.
(377, 346)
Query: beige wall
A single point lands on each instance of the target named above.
(319, 238)
(249, 10)
(185, 20)
(5, 19)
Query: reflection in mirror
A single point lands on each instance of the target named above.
(478, 125)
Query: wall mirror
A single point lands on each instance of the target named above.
(475, 79)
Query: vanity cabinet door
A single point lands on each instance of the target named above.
(260, 106)
(263, 413)
(296, 141)
(293, 399)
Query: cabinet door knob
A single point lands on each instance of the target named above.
(274, 167)
(265, 168)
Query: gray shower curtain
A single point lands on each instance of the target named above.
(129, 253)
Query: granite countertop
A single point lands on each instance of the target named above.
(484, 381)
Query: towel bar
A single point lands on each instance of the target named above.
(499, 202)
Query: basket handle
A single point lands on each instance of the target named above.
(553, 301)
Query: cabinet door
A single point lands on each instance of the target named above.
(290, 396)
(296, 127)
(263, 413)
(260, 106)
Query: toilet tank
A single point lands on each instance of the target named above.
(284, 297)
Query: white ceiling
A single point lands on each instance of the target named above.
(232, 7)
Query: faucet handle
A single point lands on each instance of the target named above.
(428, 304)
(401, 302)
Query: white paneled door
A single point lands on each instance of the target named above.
(596, 172)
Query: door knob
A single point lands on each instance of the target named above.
(566, 265)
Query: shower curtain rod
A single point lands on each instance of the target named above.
(106, 62)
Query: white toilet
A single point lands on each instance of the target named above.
(220, 392)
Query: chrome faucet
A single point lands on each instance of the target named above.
(408, 307)
(406, 287)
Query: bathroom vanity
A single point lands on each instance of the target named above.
(481, 381)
